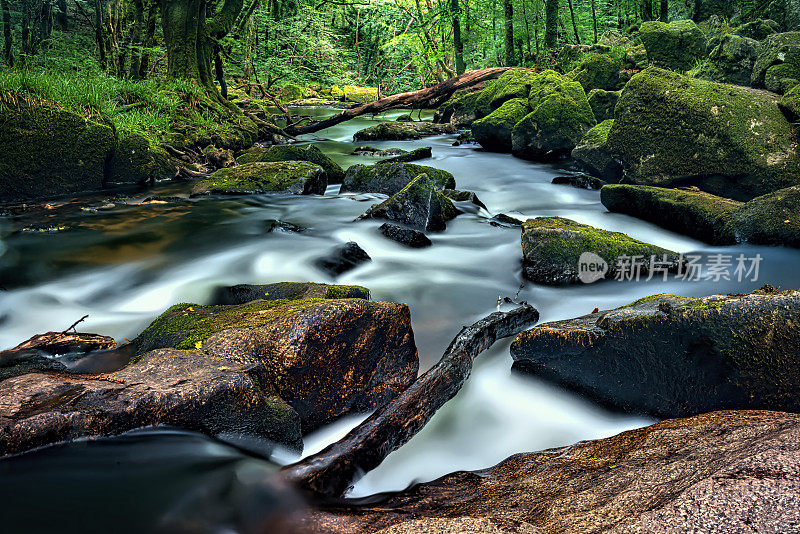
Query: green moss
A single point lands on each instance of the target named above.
(360, 95)
(493, 132)
(599, 134)
(598, 71)
(347, 292)
(309, 153)
(771, 219)
(781, 52)
(702, 304)
(514, 83)
(603, 103)
(651, 298)
(264, 177)
(790, 104)
(675, 46)
(367, 176)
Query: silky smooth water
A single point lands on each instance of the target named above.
(123, 264)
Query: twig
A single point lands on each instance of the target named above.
(76, 323)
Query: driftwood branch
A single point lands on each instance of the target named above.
(430, 97)
(76, 323)
(332, 471)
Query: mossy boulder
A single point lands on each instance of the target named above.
(295, 177)
(672, 356)
(420, 205)
(514, 83)
(493, 132)
(603, 103)
(778, 60)
(243, 293)
(772, 219)
(291, 92)
(310, 153)
(598, 71)
(552, 248)
(570, 56)
(636, 58)
(593, 156)
(359, 95)
(675, 46)
(673, 130)
(403, 131)
(561, 116)
(757, 29)
(417, 154)
(46, 152)
(389, 178)
(460, 111)
(614, 39)
(696, 214)
(730, 62)
(135, 162)
(790, 104)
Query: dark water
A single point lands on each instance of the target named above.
(124, 264)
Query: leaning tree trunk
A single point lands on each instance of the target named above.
(551, 24)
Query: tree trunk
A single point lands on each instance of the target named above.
(458, 44)
(551, 24)
(574, 24)
(508, 9)
(149, 39)
(8, 40)
(664, 15)
(647, 10)
(63, 15)
(594, 20)
(135, 42)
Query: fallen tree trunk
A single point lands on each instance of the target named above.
(333, 470)
(430, 97)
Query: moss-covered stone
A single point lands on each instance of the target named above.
(673, 130)
(772, 219)
(389, 178)
(359, 95)
(676, 46)
(135, 162)
(778, 59)
(614, 39)
(310, 153)
(419, 205)
(593, 156)
(603, 103)
(403, 131)
(561, 116)
(460, 111)
(48, 152)
(790, 104)
(598, 71)
(730, 62)
(243, 293)
(514, 83)
(552, 247)
(570, 56)
(693, 213)
(295, 177)
(493, 132)
(636, 58)
(757, 29)
(291, 92)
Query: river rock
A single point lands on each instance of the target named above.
(419, 206)
(718, 472)
(243, 293)
(603, 103)
(403, 131)
(581, 181)
(757, 29)
(778, 65)
(377, 152)
(593, 156)
(463, 196)
(673, 130)
(413, 155)
(389, 178)
(514, 83)
(561, 116)
(310, 154)
(493, 132)
(598, 71)
(295, 177)
(405, 236)
(771, 219)
(701, 354)
(342, 259)
(730, 62)
(790, 104)
(676, 46)
(552, 248)
(135, 162)
(694, 213)
(46, 152)
(460, 111)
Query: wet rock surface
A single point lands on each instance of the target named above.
(243, 293)
(293, 177)
(342, 259)
(403, 131)
(405, 236)
(390, 178)
(419, 206)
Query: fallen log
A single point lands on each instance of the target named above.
(64, 342)
(333, 470)
(430, 97)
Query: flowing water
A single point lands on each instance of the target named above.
(124, 263)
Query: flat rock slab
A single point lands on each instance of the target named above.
(403, 131)
(719, 472)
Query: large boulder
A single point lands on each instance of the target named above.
(359, 95)
(460, 111)
(310, 153)
(419, 206)
(295, 177)
(603, 103)
(46, 152)
(493, 132)
(771, 219)
(403, 131)
(675, 46)
(553, 249)
(561, 116)
(514, 83)
(790, 104)
(718, 472)
(593, 156)
(786, 13)
(136, 163)
(757, 29)
(389, 178)
(778, 65)
(673, 130)
(598, 71)
(699, 215)
(730, 62)
(701, 354)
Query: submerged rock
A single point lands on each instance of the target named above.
(342, 259)
(676, 46)
(243, 293)
(419, 205)
(700, 354)
(778, 65)
(718, 472)
(552, 248)
(403, 131)
(593, 156)
(581, 181)
(295, 177)
(671, 130)
(310, 154)
(389, 178)
(405, 236)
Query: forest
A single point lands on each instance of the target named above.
(399, 266)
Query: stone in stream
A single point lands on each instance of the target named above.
(342, 259)
(414, 155)
(403, 131)
(389, 178)
(419, 206)
(673, 356)
(778, 65)
(405, 236)
(493, 132)
(463, 196)
(310, 154)
(771, 219)
(243, 293)
(592, 154)
(554, 248)
(676, 46)
(36, 354)
(274, 369)
(295, 177)
(366, 150)
(718, 472)
(670, 130)
(581, 181)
